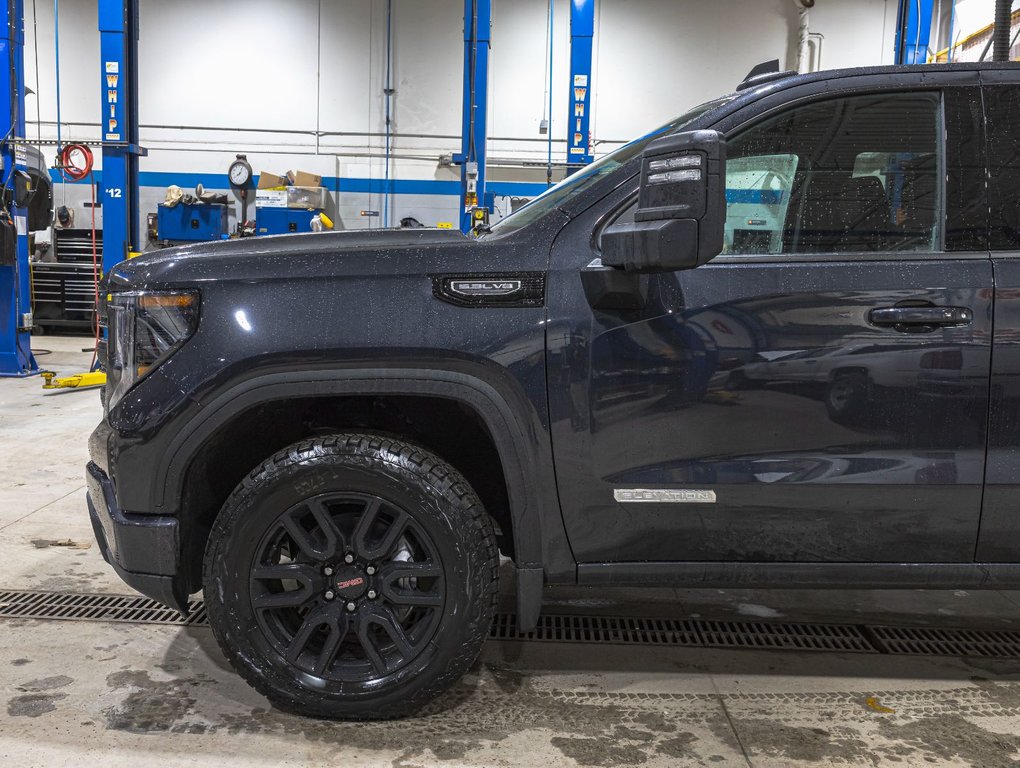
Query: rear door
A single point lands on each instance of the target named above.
(1000, 521)
(819, 392)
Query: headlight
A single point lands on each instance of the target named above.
(144, 329)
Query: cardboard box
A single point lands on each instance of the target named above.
(306, 197)
(271, 181)
(270, 198)
(303, 179)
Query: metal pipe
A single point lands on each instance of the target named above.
(299, 132)
(388, 94)
(815, 40)
(1000, 35)
(803, 31)
(56, 54)
(548, 173)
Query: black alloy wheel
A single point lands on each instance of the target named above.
(352, 576)
(347, 587)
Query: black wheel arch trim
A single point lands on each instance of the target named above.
(543, 554)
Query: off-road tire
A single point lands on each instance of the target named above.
(438, 499)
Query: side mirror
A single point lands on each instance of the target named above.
(681, 209)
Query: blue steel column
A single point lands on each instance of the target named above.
(118, 32)
(913, 31)
(477, 37)
(15, 281)
(582, 30)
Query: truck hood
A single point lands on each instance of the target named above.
(306, 255)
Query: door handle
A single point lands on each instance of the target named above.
(920, 316)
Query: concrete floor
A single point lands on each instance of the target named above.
(79, 693)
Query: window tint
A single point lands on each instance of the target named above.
(1002, 108)
(844, 175)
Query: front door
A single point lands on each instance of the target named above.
(818, 392)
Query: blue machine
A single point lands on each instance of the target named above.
(15, 293)
(190, 222)
(280, 221)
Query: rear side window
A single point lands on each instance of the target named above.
(966, 188)
(853, 174)
(1002, 111)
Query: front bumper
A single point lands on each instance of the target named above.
(142, 549)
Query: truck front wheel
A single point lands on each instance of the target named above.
(352, 576)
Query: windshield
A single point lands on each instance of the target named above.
(581, 180)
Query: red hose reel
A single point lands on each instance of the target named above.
(75, 162)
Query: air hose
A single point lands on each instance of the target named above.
(69, 168)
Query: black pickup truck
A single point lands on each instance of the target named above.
(774, 342)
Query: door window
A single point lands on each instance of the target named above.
(855, 174)
(1002, 103)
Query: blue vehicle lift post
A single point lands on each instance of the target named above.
(582, 31)
(16, 357)
(913, 31)
(471, 158)
(118, 29)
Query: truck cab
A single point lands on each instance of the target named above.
(773, 342)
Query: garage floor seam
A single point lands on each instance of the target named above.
(40, 509)
(733, 728)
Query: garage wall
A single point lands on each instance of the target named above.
(299, 85)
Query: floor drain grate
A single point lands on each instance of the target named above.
(786, 635)
(576, 628)
(934, 641)
(598, 629)
(82, 607)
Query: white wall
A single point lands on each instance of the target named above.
(284, 71)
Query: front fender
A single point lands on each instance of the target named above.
(523, 445)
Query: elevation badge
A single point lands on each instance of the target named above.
(665, 495)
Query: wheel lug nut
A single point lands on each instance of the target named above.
(351, 606)
(370, 570)
(329, 595)
(348, 558)
(371, 594)
(328, 571)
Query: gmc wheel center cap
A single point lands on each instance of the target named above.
(351, 582)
